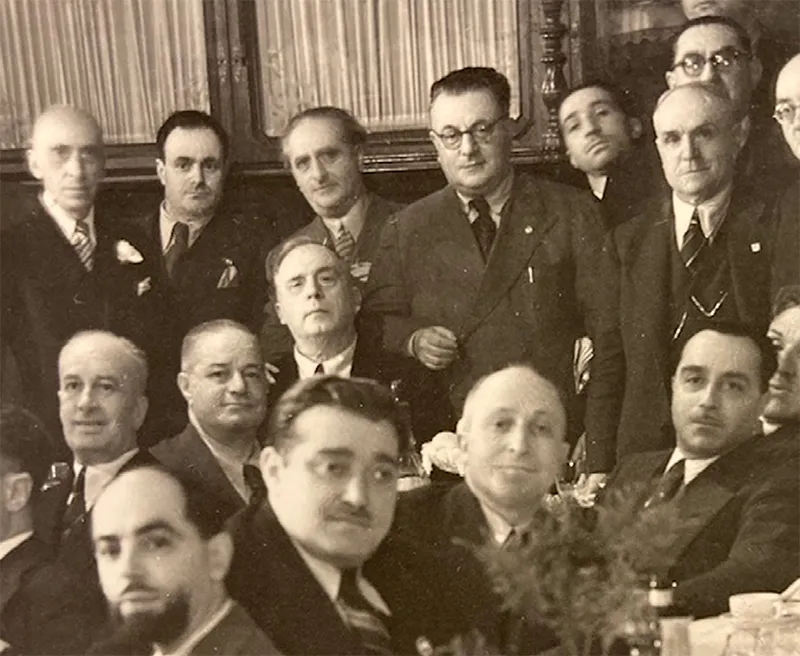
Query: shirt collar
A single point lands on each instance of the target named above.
(353, 220)
(712, 213)
(499, 527)
(693, 467)
(9, 544)
(64, 221)
(166, 223)
(98, 476)
(186, 647)
(598, 184)
(497, 199)
(339, 365)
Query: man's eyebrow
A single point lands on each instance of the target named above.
(692, 369)
(336, 452)
(151, 527)
(385, 459)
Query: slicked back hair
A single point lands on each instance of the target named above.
(281, 252)
(475, 78)
(353, 133)
(191, 119)
(209, 327)
(741, 33)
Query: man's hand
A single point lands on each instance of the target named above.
(435, 346)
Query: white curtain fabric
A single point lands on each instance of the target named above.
(128, 62)
(377, 58)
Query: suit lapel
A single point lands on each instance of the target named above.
(522, 229)
(317, 231)
(206, 467)
(463, 516)
(53, 255)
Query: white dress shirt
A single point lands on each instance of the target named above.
(499, 527)
(186, 647)
(339, 365)
(232, 465)
(353, 220)
(497, 200)
(8, 545)
(712, 214)
(693, 467)
(65, 222)
(598, 185)
(166, 223)
(98, 476)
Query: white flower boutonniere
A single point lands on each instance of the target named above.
(143, 286)
(127, 254)
(444, 452)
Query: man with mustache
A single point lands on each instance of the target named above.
(211, 261)
(102, 384)
(162, 555)
(701, 251)
(224, 383)
(315, 564)
(66, 265)
(322, 147)
(738, 506)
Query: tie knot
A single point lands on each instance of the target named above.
(481, 206)
(79, 482)
(180, 232)
(348, 585)
(82, 227)
(254, 482)
(320, 370)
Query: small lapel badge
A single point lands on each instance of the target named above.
(755, 247)
(230, 276)
(360, 271)
(143, 286)
(528, 230)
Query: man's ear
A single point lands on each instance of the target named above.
(669, 76)
(161, 171)
(220, 554)
(140, 412)
(461, 434)
(17, 492)
(635, 127)
(356, 299)
(183, 386)
(741, 130)
(271, 463)
(279, 313)
(33, 164)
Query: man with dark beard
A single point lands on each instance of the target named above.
(162, 556)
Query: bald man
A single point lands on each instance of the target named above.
(513, 436)
(700, 251)
(64, 265)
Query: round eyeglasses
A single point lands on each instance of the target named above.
(722, 60)
(481, 132)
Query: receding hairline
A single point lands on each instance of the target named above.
(790, 68)
(99, 339)
(59, 113)
(698, 90)
(197, 335)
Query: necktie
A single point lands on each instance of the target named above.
(362, 617)
(344, 243)
(668, 487)
(516, 539)
(320, 370)
(77, 505)
(484, 226)
(254, 482)
(693, 242)
(82, 243)
(178, 245)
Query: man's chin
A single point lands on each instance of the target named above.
(156, 625)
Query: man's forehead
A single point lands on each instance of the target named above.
(306, 259)
(464, 108)
(721, 354)
(515, 390)
(687, 109)
(788, 85)
(706, 39)
(586, 98)
(313, 133)
(192, 142)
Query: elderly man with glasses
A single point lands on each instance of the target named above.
(496, 267)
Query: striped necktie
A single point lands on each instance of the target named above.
(178, 245)
(362, 617)
(82, 243)
(669, 485)
(693, 242)
(254, 482)
(344, 244)
(76, 508)
(484, 228)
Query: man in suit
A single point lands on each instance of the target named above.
(223, 381)
(313, 565)
(65, 265)
(23, 452)
(162, 556)
(738, 506)
(212, 262)
(717, 50)
(497, 266)
(702, 251)
(786, 262)
(102, 401)
(603, 135)
(512, 433)
(318, 300)
(323, 147)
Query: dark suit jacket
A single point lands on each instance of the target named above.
(739, 527)
(271, 581)
(786, 259)
(539, 291)
(420, 387)
(62, 608)
(236, 635)
(188, 454)
(48, 296)
(638, 275)
(15, 569)
(195, 297)
(276, 340)
(449, 520)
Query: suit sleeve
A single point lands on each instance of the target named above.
(765, 555)
(389, 292)
(598, 292)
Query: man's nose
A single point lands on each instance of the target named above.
(313, 288)
(75, 165)
(317, 170)
(468, 144)
(517, 440)
(356, 492)
(709, 397)
(236, 382)
(197, 174)
(688, 147)
(86, 397)
(708, 73)
(130, 563)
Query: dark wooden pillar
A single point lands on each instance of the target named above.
(554, 84)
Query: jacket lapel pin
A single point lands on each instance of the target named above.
(143, 286)
(755, 247)
(230, 276)
(528, 230)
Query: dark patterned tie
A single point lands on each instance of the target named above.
(362, 617)
(344, 244)
(693, 242)
(178, 245)
(255, 483)
(668, 487)
(82, 243)
(77, 505)
(484, 226)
